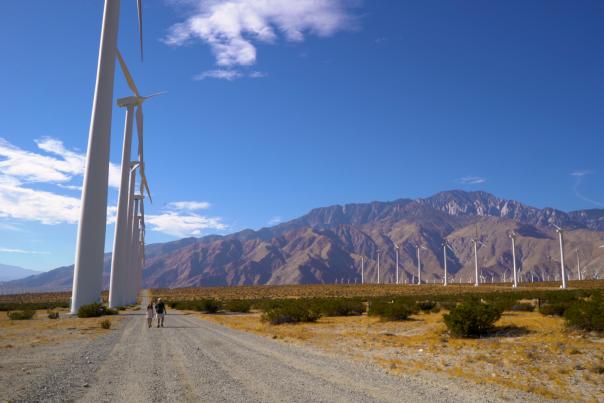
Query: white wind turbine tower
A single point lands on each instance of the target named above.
(90, 242)
(122, 241)
(362, 270)
(560, 232)
(512, 236)
(396, 251)
(378, 266)
(419, 262)
(475, 241)
(445, 247)
(578, 265)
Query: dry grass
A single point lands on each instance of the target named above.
(43, 331)
(352, 290)
(530, 352)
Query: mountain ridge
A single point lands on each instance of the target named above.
(326, 244)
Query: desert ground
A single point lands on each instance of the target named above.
(238, 357)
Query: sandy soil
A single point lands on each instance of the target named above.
(530, 353)
(196, 360)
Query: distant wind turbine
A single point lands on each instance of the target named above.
(396, 251)
(419, 262)
(560, 232)
(445, 247)
(512, 236)
(475, 241)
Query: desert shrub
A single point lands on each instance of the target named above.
(95, 310)
(554, 308)
(52, 314)
(201, 305)
(19, 306)
(210, 305)
(586, 315)
(338, 306)
(427, 306)
(472, 319)
(397, 309)
(21, 315)
(106, 324)
(522, 307)
(238, 305)
(448, 305)
(290, 311)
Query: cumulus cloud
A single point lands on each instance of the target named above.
(183, 225)
(231, 27)
(180, 220)
(58, 166)
(21, 199)
(471, 180)
(188, 205)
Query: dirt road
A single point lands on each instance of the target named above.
(195, 360)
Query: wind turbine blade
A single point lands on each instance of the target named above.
(601, 246)
(139, 9)
(451, 248)
(155, 94)
(558, 228)
(144, 184)
(127, 74)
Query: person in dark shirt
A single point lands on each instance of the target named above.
(160, 310)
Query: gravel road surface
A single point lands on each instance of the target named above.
(194, 360)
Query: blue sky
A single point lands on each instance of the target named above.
(273, 109)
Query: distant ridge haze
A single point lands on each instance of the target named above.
(326, 245)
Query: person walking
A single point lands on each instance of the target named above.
(160, 310)
(150, 313)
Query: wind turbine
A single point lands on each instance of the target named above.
(476, 241)
(419, 263)
(396, 251)
(560, 232)
(578, 265)
(362, 270)
(378, 266)
(512, 236)
(122, 240)
(90, 241)
(445, 247)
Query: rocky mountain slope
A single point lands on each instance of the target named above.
(327, 244)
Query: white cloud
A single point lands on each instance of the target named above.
(579, 174)
(184, 225)
(471, 180)
(231, 26)
(258, 74)
(60, 167)
(20, 169)
(188, 205)
(228, 75)
(19, 202)
(22, 251)
(275, 220)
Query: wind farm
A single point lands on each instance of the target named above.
(301, 243)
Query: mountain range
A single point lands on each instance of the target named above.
(8, 272)
(327, 245)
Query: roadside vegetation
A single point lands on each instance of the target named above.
(95, 310)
